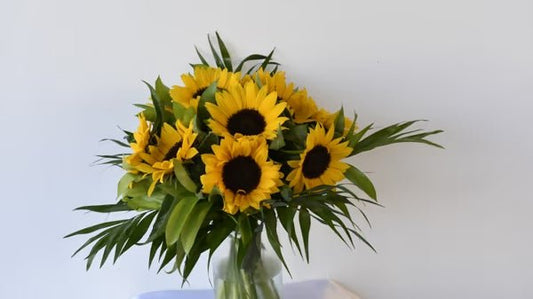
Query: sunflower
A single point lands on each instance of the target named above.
(301, 106)
(240, 170)
(320, 163)
(142, 139)
(327, 119)
(174, 143)
(246, 111)
(196, 84)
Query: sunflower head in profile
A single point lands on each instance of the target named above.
(142, 139)
(302, 107)
(189, 95)
(246, 111)
(173, 144)
(241, 171)
(320, 163)
(276, 82)
(327, 119)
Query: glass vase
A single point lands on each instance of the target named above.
(256, 275)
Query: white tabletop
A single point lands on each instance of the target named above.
(311, 289)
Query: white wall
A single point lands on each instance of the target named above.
(457, 222)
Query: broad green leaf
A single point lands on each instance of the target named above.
(178, 218)
(158, 229)
(185, 115)
(359, 179)
(208, 96)
(124, 183)
(148, 112)
(188, 235)
(278, 142)
(183, 177)
(163, 93)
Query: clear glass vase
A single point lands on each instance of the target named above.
(258, 276)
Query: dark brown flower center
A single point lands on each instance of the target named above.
(199, 92)
(247, 122)
(171, 154)
(241, 174)
(316, 162)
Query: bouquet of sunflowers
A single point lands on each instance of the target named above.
(230, 153)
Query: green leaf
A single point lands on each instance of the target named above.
(266, 62)
(158, 106)
(163, 92)
(209, 140)
(272, 235)
(183, 177)
(116, 142)
(188, 235)
(339, 122)
(278, 142)
(359, 179)
(305, 225)
(286, 218)
(96, 248)
(225, 54)
(208, 96)
(218, 61)
(92, 239)
(394, 134)
(117, 233)
(178, 218)
(354, 139)
(252, 57)
(139, 231)
(118, 207)
(94, 228)
(185, 115)
(202, 59)
(153, 250)
(124, 183)
(158, 229)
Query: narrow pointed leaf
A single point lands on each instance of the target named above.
(224, 52)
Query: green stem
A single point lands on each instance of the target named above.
(251, 282)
